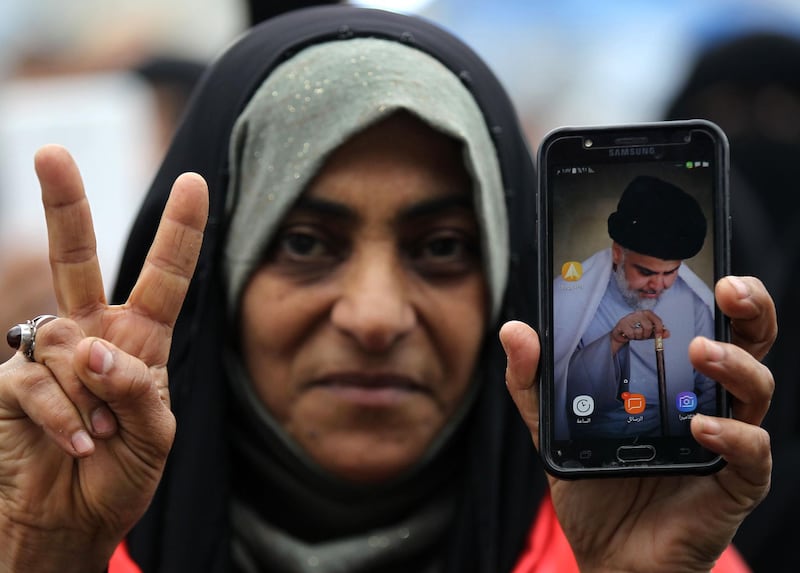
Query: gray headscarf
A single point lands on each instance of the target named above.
(316, 101)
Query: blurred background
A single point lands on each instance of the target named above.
(109, 78)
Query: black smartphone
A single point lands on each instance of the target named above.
(633, 233)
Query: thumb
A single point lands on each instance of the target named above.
(521, 344)
(137, 395)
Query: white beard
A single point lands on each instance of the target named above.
(631, 296)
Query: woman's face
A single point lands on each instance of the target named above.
(363, 325)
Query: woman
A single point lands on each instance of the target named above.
(335, 372)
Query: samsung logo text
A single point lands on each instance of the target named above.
(631, 151)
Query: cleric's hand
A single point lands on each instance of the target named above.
(638, 325)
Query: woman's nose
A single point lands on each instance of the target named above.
(373, 306)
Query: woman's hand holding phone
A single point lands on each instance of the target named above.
(671, 523)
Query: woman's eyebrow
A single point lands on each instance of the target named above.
(424, 208)
(325, 207)
(436, 206)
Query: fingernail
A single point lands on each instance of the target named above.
(714, 351)
(82, 443)
(711, 426)
(100, 358)
(739, 286)
(103, 421)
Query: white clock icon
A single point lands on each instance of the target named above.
(583, 405)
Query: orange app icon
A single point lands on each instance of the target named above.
(634, 403)
(571, 271)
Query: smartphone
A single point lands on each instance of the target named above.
(633, 233)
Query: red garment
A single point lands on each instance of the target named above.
(547, 551)
(121, 561)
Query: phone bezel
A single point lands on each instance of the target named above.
(668, 135)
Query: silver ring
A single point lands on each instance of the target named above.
(637, 324)
(22, 337)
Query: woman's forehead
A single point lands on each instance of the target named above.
(399, 162)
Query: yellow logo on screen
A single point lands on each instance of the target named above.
(571, 271)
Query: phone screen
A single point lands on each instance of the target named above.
(633, 236)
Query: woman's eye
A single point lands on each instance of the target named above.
(446, 253)
(302, 244)
(443, 247)
(305, 252)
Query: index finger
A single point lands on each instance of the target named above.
(162, 285)
(77, 280)
(754, 323)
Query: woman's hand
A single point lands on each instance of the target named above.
(85, 429)
(672, 523)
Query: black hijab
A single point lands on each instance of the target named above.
(185, 528)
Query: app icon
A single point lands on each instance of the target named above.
(571, 271)
(583, 405)
(634, 403)
(686, 402)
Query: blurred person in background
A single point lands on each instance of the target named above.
(172, 81)
(50, 37)
(108, 78)
(25, 272)
(260, 10)
(750, 86)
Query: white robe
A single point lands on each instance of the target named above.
(585, 312)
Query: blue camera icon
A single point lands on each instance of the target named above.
(686, 402)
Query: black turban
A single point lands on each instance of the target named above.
(658, 219)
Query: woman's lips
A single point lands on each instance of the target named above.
(374, 390)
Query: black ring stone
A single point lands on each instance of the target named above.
(14, 336)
